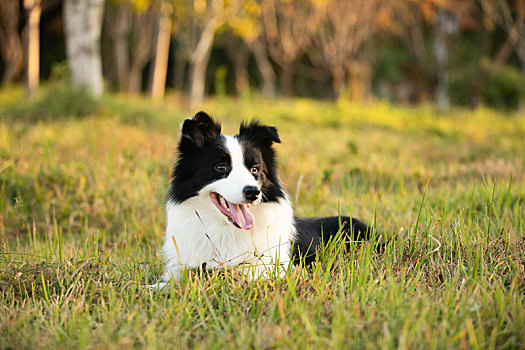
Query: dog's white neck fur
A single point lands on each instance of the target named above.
(197, 232)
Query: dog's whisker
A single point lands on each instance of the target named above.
(216, 250)
(258, 255)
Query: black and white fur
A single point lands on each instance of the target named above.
(226, 205)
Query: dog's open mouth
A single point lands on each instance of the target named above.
(237, 214)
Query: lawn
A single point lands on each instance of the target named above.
(82, 189)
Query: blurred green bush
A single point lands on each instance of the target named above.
(505, 88)
(58, 100)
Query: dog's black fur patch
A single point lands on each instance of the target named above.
(257, 141)
(201, 147)
(314, 233)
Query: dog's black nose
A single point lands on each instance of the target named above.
(251, 193)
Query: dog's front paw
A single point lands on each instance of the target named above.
(164, 283)
(160, 286)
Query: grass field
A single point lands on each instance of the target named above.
(82, 187)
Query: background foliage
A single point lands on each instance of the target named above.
(412, 51)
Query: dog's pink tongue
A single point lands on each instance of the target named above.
(241, 215)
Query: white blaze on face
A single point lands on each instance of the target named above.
(227, 194)
(239, 176)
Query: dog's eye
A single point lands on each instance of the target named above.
(255, 169)
(221, 168)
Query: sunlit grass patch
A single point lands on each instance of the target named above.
(82, 220)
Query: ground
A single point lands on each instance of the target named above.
(82, 188)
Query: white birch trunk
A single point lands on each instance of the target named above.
(83, 24)
(445, 25)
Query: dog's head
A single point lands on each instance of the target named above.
(232, 172)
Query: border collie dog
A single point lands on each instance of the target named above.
(226, 206)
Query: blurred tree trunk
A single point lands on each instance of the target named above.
(338, 80)
(199, 62)
(142, 47)
(287, 26)
(197, 22)
(122, 27)
(341, 41)
(477, 83)
(130, 47)
(33, 9)
(359, 80)
(264, 66)
(118, 20)
(444, 26)
(160, 69)
(249, 25)
(11, 48)
(179, 70)
(286, 79)
(83, 24)
(239, 55)
(135, 78)
(521, 52)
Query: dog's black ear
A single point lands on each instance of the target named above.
(198, 130)
(262, 134)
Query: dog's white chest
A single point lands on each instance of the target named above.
(196, 234)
